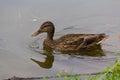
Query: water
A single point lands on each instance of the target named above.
(20, 18)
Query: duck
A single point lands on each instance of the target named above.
(68, 42)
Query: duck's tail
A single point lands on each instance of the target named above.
(103, 37)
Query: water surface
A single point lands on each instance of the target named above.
(20, 18)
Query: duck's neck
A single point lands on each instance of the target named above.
(50, 35)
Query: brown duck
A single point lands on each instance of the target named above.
(69, 42)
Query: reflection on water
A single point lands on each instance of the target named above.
(95, 51)
(48, 60)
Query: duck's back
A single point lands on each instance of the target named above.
(72, 38)
(75, 42)
(71, 42)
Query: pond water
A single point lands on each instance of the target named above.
(20, 18)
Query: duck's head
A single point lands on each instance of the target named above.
(45, 27)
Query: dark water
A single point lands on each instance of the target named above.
(20, 18)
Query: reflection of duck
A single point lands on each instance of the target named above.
(69, 42)
(48, 60)
(95, 51)
(47, 63)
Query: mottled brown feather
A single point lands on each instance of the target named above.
(69, 42)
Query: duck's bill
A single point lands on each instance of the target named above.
(35, 34)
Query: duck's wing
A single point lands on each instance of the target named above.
(76, 41)
(70, 39)
(95, 39)
(69, 42)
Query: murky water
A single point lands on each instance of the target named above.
(20, 18)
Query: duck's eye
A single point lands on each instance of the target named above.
(45, 26)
